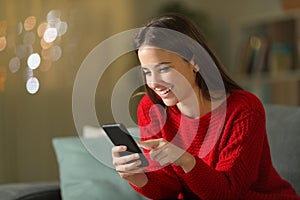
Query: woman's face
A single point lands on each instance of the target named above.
(168, 75)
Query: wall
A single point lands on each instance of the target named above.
(29, 122)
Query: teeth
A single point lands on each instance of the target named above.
(162, 92)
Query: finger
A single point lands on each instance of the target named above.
(162, 157)
(125, 159)
(152, 144)
(129, 167)
(126, 175)
(149, 145)
(158, 157)
(158, 154)
(136, 170)
(117, 149)
(164, 161)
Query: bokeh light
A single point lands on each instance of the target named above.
(19, 28)
(3, 76)
(29, 23)
(3, 27)
(53, 53)
(14, 64)
(41, 29)
(50, 35)
(34, 61)
(3, 43)
(53, 15)
(45, 45)
(32, 85)
(62, 28)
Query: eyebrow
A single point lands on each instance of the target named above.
(159, 64)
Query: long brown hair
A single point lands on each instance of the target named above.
(159, 32)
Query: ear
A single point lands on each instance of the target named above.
(196, 68)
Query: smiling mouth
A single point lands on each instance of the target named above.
(164, 91)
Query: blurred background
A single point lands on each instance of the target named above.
(43, 43)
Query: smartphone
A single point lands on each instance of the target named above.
(119, 135)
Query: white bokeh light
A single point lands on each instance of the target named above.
(32, 85)
(53, 15)
(34, 61)
(62, 28)
(50, 35)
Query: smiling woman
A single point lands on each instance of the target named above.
(167, 74)
(207, 139)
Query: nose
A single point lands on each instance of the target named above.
(153, 80)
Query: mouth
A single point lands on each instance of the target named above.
(163, 92)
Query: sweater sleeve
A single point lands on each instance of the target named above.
(238, 164)
(162, 183)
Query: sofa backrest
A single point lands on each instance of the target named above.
(283, 127)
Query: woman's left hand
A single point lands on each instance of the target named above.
(166, 153)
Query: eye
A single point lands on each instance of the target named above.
(146, 72)
(164, 69)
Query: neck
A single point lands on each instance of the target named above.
(194, 106)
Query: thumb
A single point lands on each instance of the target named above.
(151, 144)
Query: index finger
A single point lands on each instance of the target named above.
(152, 144)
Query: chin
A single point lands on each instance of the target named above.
(170, 102)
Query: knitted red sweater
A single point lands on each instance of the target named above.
(231, 150)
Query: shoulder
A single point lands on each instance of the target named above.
(244, 99)
(145, 104)
(244, 102)
(148, 111)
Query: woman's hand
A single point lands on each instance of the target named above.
(166, 153)
(128, 166)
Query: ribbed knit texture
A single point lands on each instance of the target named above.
(232, 155)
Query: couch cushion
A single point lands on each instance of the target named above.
(283, 127)
(30, 191)
(84, 177)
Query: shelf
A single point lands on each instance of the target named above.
(269, 52)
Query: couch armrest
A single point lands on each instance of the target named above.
(30, 191)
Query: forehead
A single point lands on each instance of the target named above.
(152, 55)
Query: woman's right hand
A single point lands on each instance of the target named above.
(128, 166)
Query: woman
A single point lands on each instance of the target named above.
(204, 136)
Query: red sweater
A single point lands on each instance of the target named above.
(236, 165)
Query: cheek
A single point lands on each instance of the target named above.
(179, 79)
